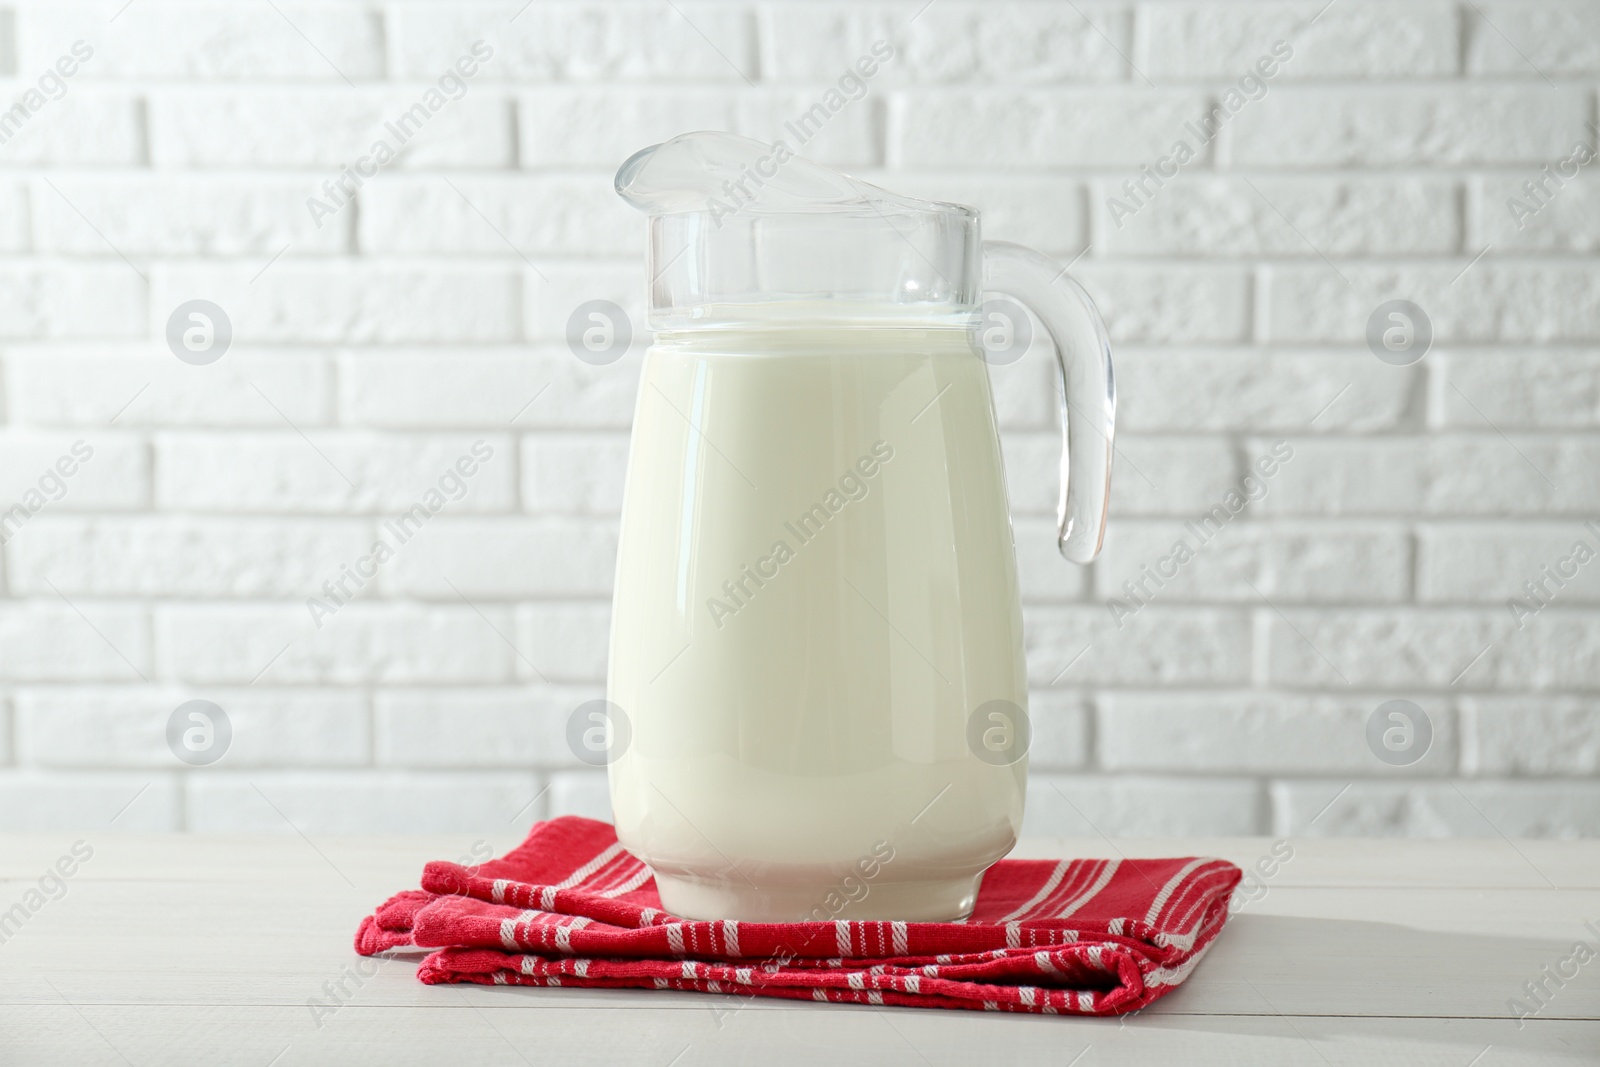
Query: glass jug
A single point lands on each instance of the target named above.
(816, 634)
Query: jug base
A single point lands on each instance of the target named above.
(925, 901)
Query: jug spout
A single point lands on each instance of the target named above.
(629, 184)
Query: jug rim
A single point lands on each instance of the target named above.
(736, 224)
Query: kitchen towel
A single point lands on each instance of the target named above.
(570, 907)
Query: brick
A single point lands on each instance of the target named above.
(1257, 733)
(557, 289)
(1215, 216)
(949, 42)
(1563, 218)
(13, 217)
(600, 126)
(59, 385)
(1197, 390)
(1522, 389)
(498, 216)
(1165, 645)
(345, 802)
(1490, 563)
(1151, 476)
(49, 641)
(1527, 735)
(1445, 809)
(621, 42)
(1526, 39)
(348, 302)
(1387, 126)
(1033, 130)
(8, 43)
(95, 803)
(177, 215)
(565, 641)
(1095, 806)
(388, 473)
(210, 43)
(89, 126)
(1372, 40)
(51, 298)
(268, 128)
(126, 727)
(1289, 562)
(1492, 301)
(1060, 722)
(1042, 573)
(1025, 396)
(1033, 472)
(852, 137)
(504, 558)
(362, 642)
(191, 557)
(515, 728)
(114, 476)
(585, 793)
(485, 387)
(1435, 648)
(1454, 474)
(1045, 213)
(569, 474)
(1169, 304)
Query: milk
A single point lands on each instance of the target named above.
(816, 588)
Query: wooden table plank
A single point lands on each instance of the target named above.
(194, 950)
(635, 1034)
(1312, 951)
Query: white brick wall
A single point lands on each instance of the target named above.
(372, 351)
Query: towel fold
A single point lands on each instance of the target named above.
(570, 907)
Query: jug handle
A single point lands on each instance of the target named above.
(1088, 390)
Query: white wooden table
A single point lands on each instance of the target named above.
(196, 950)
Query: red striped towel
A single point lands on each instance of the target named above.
(569, 907)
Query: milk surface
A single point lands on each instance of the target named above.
(816, 588)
